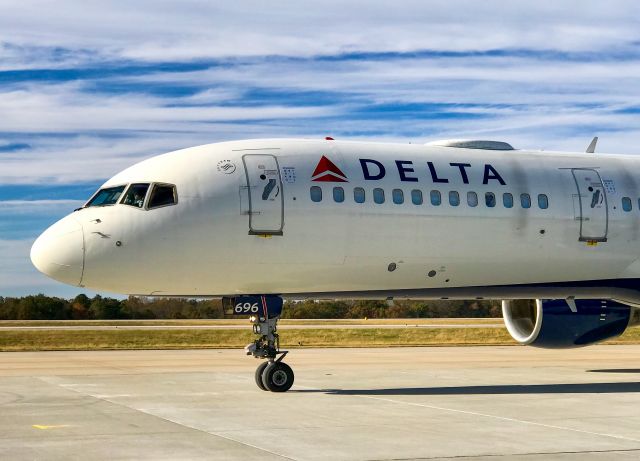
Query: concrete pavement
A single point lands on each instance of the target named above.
(347, 404)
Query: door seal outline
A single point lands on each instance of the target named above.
(253, 231)
(606, 206)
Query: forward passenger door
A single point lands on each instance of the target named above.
(266, 203)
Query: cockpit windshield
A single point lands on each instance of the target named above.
(107, 196)
(135, 195)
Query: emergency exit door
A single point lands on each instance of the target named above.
(264, 186)
(593, 211)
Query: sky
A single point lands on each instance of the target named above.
(88, 88)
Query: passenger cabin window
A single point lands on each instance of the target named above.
(454, 198)
(162, 195)
(316, 194)
(107, 196)
(135, 195)
(358, 195)
(507, 200)
(543, 201)
(490, 199)
(416, 197)
(398, 196)
(472, 199)
(525, 200)
(436, 198)
(626, 203)
(378, 195)
(338, 194)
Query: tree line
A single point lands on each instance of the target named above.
(41, 307)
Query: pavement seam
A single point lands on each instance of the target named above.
(501, 418)
(231, 439)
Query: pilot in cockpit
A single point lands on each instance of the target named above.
(135, 195)
(138, 199)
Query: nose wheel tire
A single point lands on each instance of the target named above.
(277, 377)
(258, 375)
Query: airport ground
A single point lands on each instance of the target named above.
(216, 334)
(476, 403)
(236, 333)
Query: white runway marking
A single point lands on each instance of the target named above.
(501, 418)
(215, 434)
(484, 415)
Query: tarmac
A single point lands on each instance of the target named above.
(474, 403)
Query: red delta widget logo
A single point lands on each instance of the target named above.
(327, 171)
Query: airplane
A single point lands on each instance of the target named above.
(555, 236)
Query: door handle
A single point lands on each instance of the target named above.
(268, 188)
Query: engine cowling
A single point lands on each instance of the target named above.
(555, 324)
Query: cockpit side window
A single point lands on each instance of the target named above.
(162, 195)
(135, 195)
(106, 196)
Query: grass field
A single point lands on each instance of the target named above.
(36, 340)
(24, 340)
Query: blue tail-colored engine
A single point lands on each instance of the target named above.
(558, 324)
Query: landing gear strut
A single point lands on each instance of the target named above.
(272, 375)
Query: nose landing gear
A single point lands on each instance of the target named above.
(272, 375)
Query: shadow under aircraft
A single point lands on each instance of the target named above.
(577, 388)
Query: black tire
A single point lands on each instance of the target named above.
(258, 375)
(277, 377)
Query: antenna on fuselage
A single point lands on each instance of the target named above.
(592, 147)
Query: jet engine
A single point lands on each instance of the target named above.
(563, 324)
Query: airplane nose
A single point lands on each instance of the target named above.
(59, 251)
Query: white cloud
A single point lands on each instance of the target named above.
(37, 206)
(66, 108)
(524, 98)
(170, 30)
(34, 204)
(18, 277)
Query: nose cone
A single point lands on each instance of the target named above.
(59, 252)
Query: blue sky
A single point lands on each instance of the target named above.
(88, 88)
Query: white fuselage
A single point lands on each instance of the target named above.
(245, 222)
